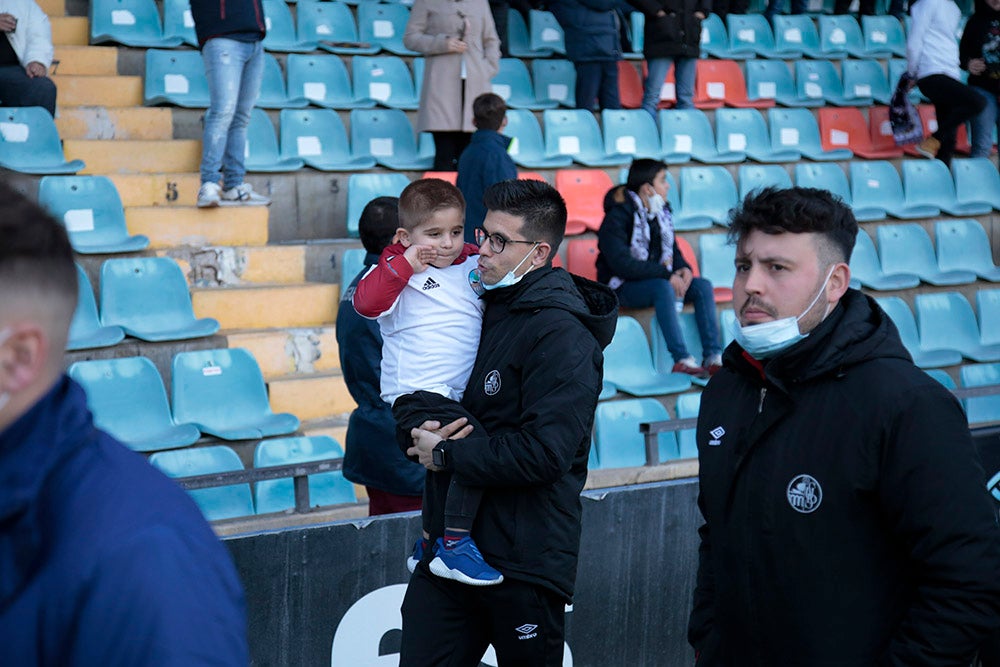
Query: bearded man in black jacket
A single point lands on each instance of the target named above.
(846, 516)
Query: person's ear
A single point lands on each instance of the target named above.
(402, 236)
(23, 358)
(541, 255)
(839, 281)
(503, 124)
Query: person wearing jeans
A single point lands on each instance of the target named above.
(979, 53)
(672, 35)
(593, 45)
(656, 74)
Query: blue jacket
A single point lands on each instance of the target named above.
(103, 560)
(371, 455)
(484, 162)
(592, 29)
(216, 18)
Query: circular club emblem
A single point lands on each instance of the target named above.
(804, 494)
(492, 384)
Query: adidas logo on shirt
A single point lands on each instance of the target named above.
(430, 283)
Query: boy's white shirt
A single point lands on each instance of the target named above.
(931, 46)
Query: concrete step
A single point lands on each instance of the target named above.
(177, 189)
(107, 91)
(311, 397)
(169, 227)
(213, 266)
(268, 306)
(89, 60)
(123, 157)
(53, 8)
(118, 123)
(70, 30)
(282, 352)
(335, 427)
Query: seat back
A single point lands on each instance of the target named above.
(513, 84)
(714, 39)
(315, 135)
(91, 210)
(523, 129)
(710, 190)
(326, 21)
(902, 317)
(824, 176)
(262, 143)
(384, 24)
(616, 432)
(865, 78)
(687, 252)
(962, 245)
(145, 296)
(216, 503)
(880, 131)
(280, 26)
(865, 264)
(875, 183)
(688, 406)
(686, 131)
(581, 257)
(718, 259)
(322, 80)
(382, 133)
(769, 79)
(988, 308)
(175, 77)
(629, 86)
(273, 92)
(178, 22)
(637, 22)
(976, 180)
(758, 176)
(928, 182)
(518, 41)
(572, 132)
(351, 264)
(29, 142)
(840, 35)
(883, 36)
(796, 32)
(906, 248)
(362, 188)
(981, 409)
(711, 83)
(325, 488)
(555, 80)
(794, 129)
(630, 131)
(725, 78)
(742, 130)
(86, 330)
(816, 79)
(946, 322)
(129, 22)
(629, 352)
(583, 190)
(750, 32)
(385, 79)
(545, 33)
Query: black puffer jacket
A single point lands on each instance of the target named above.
(981, 39)
(217, 18)
(592, 29)
(847, 520)
(678, 33)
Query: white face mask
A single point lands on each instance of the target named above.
(510, 279)
(4, 335)
(656, 204)
(766, 339)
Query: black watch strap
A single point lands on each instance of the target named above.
(439, 455)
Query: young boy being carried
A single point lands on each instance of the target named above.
(430, 316)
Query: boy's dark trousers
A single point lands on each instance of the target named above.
(460, 502)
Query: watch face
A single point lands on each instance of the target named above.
(437, 456)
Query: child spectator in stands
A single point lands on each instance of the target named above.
(25, 56)
(485, 161)
(979, 51)
(424, 295)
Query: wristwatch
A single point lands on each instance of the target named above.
(439, 455)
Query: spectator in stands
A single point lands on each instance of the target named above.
(797, 7)
(672, 36)
(462, 53)
(979, 51)
(593, 43)
(25, 56)
(104, 560)
(639, 259)
(846, 516)
(723, 8)
(231, 38)
(534, 388)
(865, 7)
(932, 55)
(371, 456)
(485, 161)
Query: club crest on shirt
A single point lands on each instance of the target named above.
(492, 384)
(804, 494)
(476, 282)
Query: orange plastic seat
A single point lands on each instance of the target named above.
(450, 176)
(629, 85)
(583, 190)
(880, 130)
(724, 77)
(845, 127)
(581, 257)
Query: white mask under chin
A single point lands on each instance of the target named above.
(509, 278)
(656, 204)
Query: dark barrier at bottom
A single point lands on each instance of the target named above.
(330, 594)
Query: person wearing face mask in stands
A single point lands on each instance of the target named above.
(846, 515)
(640, 261)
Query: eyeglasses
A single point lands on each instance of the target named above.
(497, 242)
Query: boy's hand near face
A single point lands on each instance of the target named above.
(420, 256)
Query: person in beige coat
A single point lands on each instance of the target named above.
(463, 54)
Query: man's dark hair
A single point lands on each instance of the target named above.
(488, 111)
(643, 170)
(378, 224)
(798, 211)
(421, 199)
(536, 202)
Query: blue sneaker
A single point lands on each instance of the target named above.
(416, 556)
(463, 563)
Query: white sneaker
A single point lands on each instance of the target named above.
(243, 194)
(208, 195)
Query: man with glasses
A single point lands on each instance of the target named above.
(533, 388)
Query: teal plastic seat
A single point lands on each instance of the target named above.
(574, 133)
(928, 182)
(727, 325)
(513, 83)
(222, 392)
(906, 324)
(281, 35)
(127, 399)
(555, 81)
(946, 322)
(755, 177)
(744, 131)
(718, 44)
(988, 307)
(30, 144)
(866, 78)
(216, 503)
(942, 377)
(688, 406)
(637, 21)
(148, 297)
(86, 330)
(906, 248)
(518, 39)
(982, 409)
(608, 390)
(91, 210)
(318, 137)
(362, 188)
(633, 132)
(616, 432)
(752, 33)
(384, 24)
(325, 488)
(331, 25)
(962, 245)
(797, 33)
(177, 78)
(867, 268)
(771, 79)
(717, 261)
(663, 361)
(351, 264)
(840, 36)
(976, 180)
(830, 177)
(273, 93)
(628, 364)
(128, 22)
(385, 79)
(545, 33)
(527, 148)
(178, 22)
(387, 136)
(262, 153)
(688, 132)
(707, 194)
(796, 129)
(875, 184)
(897, 66)
(883, 37)
(817, 79)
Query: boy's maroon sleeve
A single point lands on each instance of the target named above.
(381, 286)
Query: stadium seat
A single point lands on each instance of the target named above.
(30, 144)
(928, 182)
(608, 390)
(906, 248)
(828, 176)
(880, 132)
(385, 79)
(384, 24)
(148, 297)
(318, 137)
(757, 176)
(449, 176)
(178, 22)
(688, 406)
(942, 377)
(581, 257)
(637, 22)
(865, 78)
(323, 80)
(883, 37)
(217, 502)
(273, 93)
(331, 25)
(351, 263)
(555, 81)
(976, 180)
(896, 68)
(616, 432)
(752, 33)
(988, 307)
(771, 79)
(819, 80)
(726, 78)
(962, 245)
(727, 325)
(574, 133)
(583, 190)
(128, 22)
(633, 132)
(387, 136)
(981, 409)
(635, 44)
(946, 321)
(518, 40)
(709, 87)
(527, 148)
(662, 359)
(875, 185)
(718, 264)
(840, 36)
(797, 33)
(707, 194)
(325, 488)
(281, 34)
(796, 129)
(687, 252)
(222, 392)
(717, 44)
(127, 399)
(86, 330)
(628, 364)
(688, 132)
(362, 188)
(629, 86)
(262, 147)
(513, 84)
(928, 118)
(902, 317)
(744, 131)
(91, 210)
(867, 268)
(175, 77)
(545, 33)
